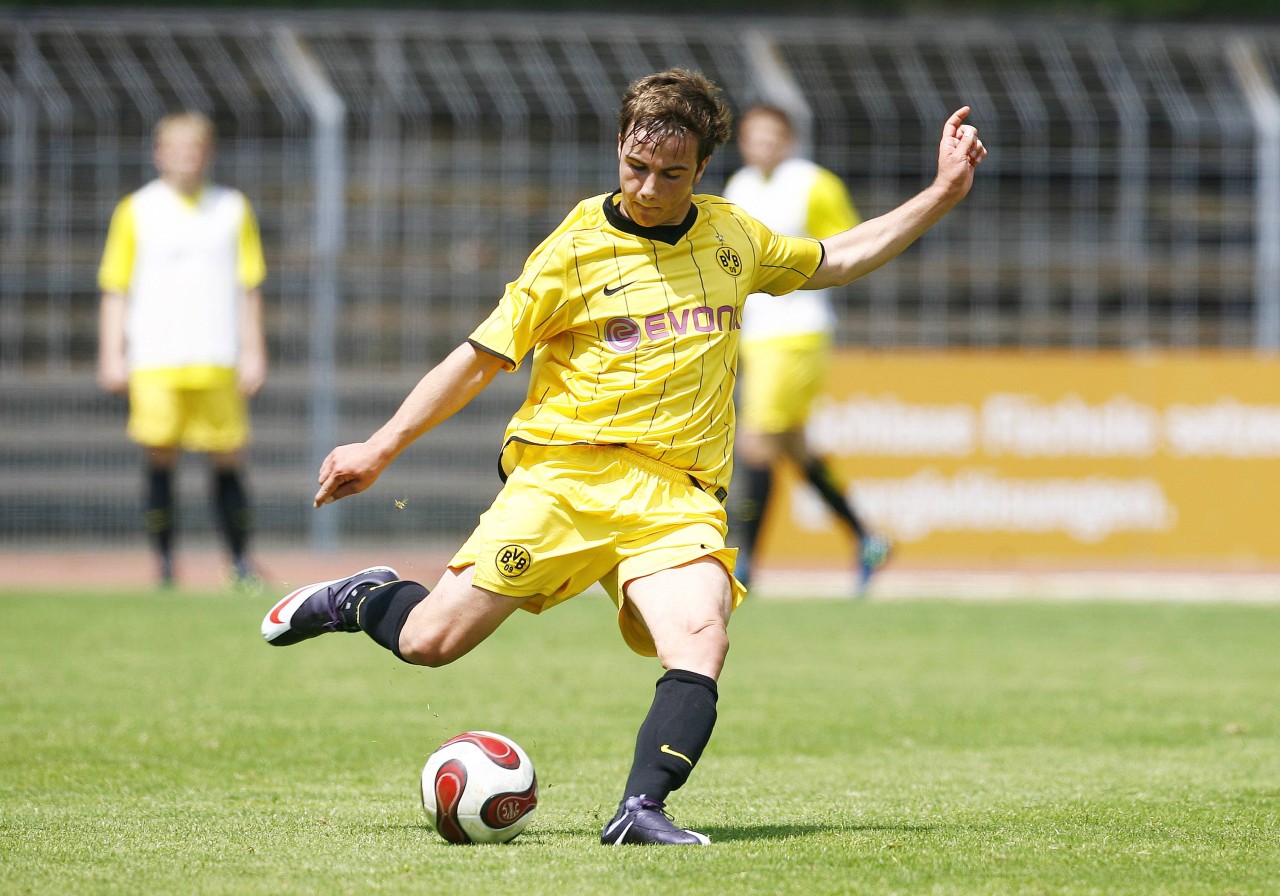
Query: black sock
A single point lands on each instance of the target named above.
(673, 735)
(380, 612)
(159, 515)
(234, 515)
(755, 501)
(820, 475)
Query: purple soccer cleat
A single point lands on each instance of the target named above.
(642, 820)
(318, 609)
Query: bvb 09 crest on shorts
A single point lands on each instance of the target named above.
(513, 560)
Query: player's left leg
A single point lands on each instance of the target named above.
(218, 424)
(686, 610)
(872, 549)
(160, 513)
(235, 517)
(757, 453)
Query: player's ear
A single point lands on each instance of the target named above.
(702, 167)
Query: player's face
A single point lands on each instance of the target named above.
(182, 155)
(764, 140)
(657, 178)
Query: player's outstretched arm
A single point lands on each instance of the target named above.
(252, 370)
(113, 369)
(445, 390)
(859, 251)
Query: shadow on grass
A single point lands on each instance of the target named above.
(786, 831)
(740, 833)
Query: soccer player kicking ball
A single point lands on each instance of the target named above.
(618, 463)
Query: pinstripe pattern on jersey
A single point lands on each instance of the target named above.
(634, 331)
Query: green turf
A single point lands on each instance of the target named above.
(153, 744)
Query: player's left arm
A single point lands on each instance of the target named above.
(442, 392)
(114, 277)
(252, 369)
(251, 271)
(859, 251)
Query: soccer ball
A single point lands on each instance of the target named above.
(479, 787)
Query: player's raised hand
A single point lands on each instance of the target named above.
(959, 152)
(348, 470)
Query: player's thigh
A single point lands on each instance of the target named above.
(781, 379)
(453, 619)
(548, 534)
(217, 420)
(156, 412)
(686, 610)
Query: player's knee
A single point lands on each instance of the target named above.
(427, 648)
(701, 649)
(713, 639)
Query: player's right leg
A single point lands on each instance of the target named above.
(420, 627)
(457, 618)
(323, 607)
(157, 419)
(160, 514)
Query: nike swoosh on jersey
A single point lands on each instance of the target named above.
(609, 291)
(666, 748)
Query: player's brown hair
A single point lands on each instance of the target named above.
(676, 103)
(768, 109)
(193, 120)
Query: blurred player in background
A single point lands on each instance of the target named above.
(181, 330)
(786, 339)
(617, 465)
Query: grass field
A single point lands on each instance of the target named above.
(154, 745)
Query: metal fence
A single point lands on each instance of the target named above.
(403, 165)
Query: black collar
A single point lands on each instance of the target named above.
(663, 233)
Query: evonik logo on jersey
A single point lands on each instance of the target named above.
(623, 334)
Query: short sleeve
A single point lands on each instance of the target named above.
(252, 267)
(786, 263)
(116, 271)
(529, 311)
(831, 210)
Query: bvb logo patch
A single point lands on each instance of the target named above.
(513, 560)
(729, 260)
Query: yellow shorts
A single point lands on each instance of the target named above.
(571, 516)
(197, 413)
(780, 379)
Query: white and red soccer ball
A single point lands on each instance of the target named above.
(479, 787)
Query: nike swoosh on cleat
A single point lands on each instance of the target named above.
(623, 835)
(274, 615)
(609, 291)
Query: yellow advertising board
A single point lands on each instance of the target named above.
(993, 457)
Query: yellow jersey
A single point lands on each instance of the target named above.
(634, 331)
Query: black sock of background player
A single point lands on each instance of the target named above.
(820, 475)
(234, 516)
(673, 735)
(380, 612)
(159, 516)
(759, 483)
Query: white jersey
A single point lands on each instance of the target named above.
(800, 199)
(183, 265)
